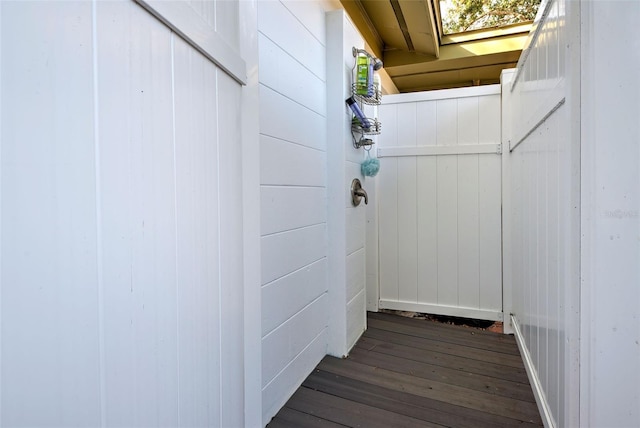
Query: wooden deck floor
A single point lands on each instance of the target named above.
(417, 373)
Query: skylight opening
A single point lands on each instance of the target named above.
(459, 16)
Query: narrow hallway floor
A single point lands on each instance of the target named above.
(417, 373)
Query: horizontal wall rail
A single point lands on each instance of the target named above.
(463, 149)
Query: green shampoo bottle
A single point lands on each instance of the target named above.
(362, 75)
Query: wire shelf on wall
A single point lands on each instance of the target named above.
(374, 129)
(374, 100)
(361, 135)
(370, 95)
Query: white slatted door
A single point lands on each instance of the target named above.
(439, 212)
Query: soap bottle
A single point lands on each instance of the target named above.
(362, 74)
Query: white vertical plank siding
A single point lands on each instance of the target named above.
(121, 286)
(388, 229)
(439, 215)
(468, 206)
(468, 232)
(447, 234)
(134, 283)
(543, 214)
(406, 206)
(48, 286)
(427, 225)
(427, 210)
(196, 221)
(489, 242)
(230, 227)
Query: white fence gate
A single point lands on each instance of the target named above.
(439, 203)
(122, 299)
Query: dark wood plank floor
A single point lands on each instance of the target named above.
(406, 372)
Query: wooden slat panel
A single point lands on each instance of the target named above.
(477, 382)
(473, 360)
(460, 396)
(349, 413)
(288, 417)
(405, 403)
(418, 331)
(447, 330)
(385, 384)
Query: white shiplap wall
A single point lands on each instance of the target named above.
(293, 166)
(542, 218)
(121, 288)
(439, 215)
(346, 223)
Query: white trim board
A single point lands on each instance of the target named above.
(185, 22)
(461, 149)
(453, 311)
(442, 94)
(532, 374)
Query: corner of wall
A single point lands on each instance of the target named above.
(251, 221)
(345, 223)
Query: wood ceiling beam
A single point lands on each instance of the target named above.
(363, 23)
(452, 64)
(421, 25)
(472, 53)
(486, 74)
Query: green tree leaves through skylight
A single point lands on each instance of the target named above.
(466, 15)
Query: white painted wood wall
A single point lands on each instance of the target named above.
(346, 223)
(439, 212)
(121, 290)
(571, 228)
(293, 169)
(610, 198)
(542, 186)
